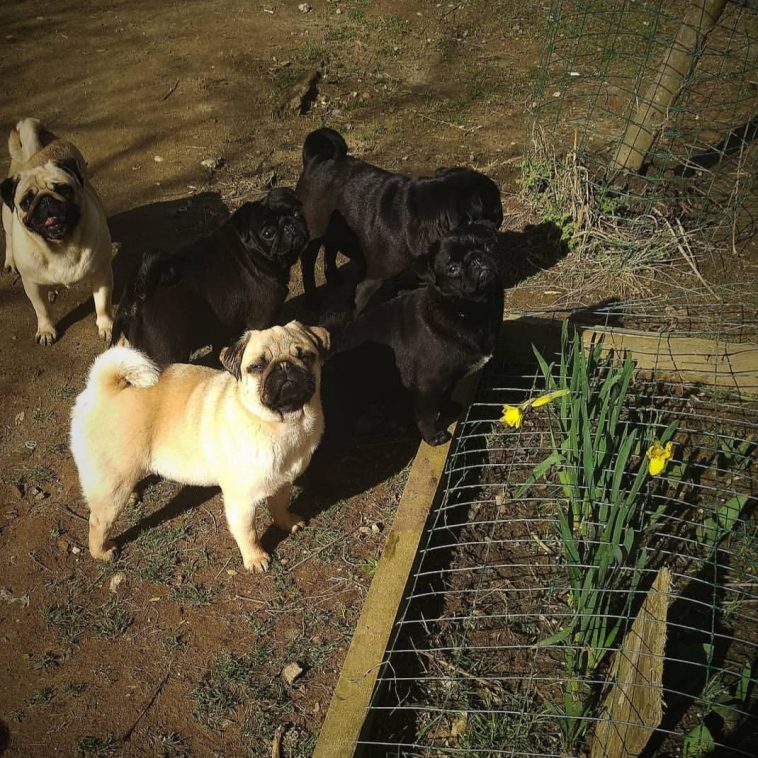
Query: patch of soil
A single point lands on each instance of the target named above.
(173, 650)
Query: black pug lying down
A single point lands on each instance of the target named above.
(436, 334)
(218, 287)
(381, 220)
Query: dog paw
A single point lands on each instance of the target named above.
(258, 562)
(105, 329)
(291, 523)
(46, 334)
(440, 438)
(107, 552)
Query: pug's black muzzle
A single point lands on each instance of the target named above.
(287, 387)
(293, 238)
(52, 218)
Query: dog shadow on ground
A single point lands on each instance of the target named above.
(166, 225)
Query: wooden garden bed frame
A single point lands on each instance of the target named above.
(732, 366)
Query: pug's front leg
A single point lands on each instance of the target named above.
(240, 515)
(102, 288)
(37, 294)
(278, 505)
(308, 267)
(426, 406)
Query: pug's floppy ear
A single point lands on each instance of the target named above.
(321, 337)
(423, 266)
(8, 190)
(71, 167)
(231, 357)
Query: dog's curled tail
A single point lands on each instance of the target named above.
(323, 144)
(28, 137)
(121, 367)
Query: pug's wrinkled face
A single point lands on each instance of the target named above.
(274, 227)
(47, 199)
(279, 369)
(464, 264)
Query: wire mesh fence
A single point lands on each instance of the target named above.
(644, 116)
(530, 625)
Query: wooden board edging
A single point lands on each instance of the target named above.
(349, 704)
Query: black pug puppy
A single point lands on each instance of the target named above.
(381, 220)
(212, 290)
(437, 333)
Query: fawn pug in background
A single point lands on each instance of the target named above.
(251, 429)
(56, 232)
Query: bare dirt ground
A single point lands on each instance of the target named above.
(174, 650)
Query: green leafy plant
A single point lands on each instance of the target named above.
(598, 459)
(717, 699)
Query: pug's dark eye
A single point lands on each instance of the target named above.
(64, 190)
(306, 356)
(26, 201)
(268, 232)
(257, 366)
(453, 269)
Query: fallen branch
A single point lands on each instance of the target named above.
(322, 548)
(147, 707)
(491, 686)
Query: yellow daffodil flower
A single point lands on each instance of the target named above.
(657, 455)
(513, 415)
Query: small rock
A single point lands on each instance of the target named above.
(231, 572)
(19, 419)
(116, 580)
(291, 672)
(158, 158)
(75, 549)
(37, 493)
(376, 528)
(304, 8)
(213, 164)
(364, 529)
(338, 11)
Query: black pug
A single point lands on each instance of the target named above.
(378, 219)
(212, 290)
(437, 333)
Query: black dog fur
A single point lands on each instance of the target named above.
(436, 333)
(378, 219)
(212, 290)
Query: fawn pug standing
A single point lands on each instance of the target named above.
(56, 232)
(251, 429)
